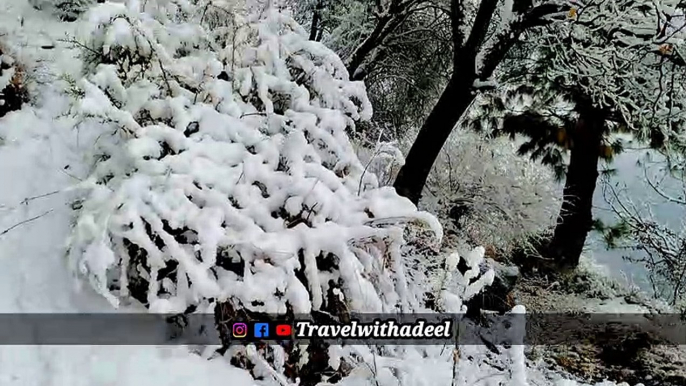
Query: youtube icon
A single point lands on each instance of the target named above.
(283, 330)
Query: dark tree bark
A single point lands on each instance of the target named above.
(576, 219)
(372, 41)
(387, 21)
(460, 92)
(315, 29)
(454, 101)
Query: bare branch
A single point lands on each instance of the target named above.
(23, 223)
(659, 191)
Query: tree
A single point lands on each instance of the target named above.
(388, 17)
(405, 75)
(367, 26)
(475, 57)
(611, 67)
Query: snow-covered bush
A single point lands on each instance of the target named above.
(485, 194)
(218, 13)
(229, 176)
(381, 158)
(455, 287)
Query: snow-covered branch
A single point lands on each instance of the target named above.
(661, 249)
(624, 57)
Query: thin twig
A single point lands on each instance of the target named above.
(26, 200)
(359, 187)
(164, 76)
(657, 190)
(23, 222)
(275, 374)
(249, 114)
(71, 175)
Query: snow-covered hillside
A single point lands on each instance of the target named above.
(42, 156)
(55, 256)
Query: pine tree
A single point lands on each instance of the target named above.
(614, 67)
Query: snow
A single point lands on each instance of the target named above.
(516, 352)
(506, 16)
(37, 147)
(479, 84)
(6, 76)
(48, 155)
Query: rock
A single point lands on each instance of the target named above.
(506, 276)
(498, 296)
(224, 76)
(457, 213)
(191, 129)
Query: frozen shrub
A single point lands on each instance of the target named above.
(230, 176)
(486, 194)
(229, 184)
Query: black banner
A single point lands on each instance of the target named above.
(202, 329)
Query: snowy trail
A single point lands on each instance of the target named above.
(40, 155)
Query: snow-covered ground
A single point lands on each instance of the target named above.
(41, 154)
(41, 157)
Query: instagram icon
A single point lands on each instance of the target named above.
(240, 330)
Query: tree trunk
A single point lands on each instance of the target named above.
(316, 19)
(371, 42)
(454, 101)
(576, 219)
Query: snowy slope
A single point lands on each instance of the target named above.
(35, 152)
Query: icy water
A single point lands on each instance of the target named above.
(632, 176)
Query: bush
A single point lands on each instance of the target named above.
(228, 182)
(485, 194)
(13, 92)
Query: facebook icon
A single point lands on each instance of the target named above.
(261, 330)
